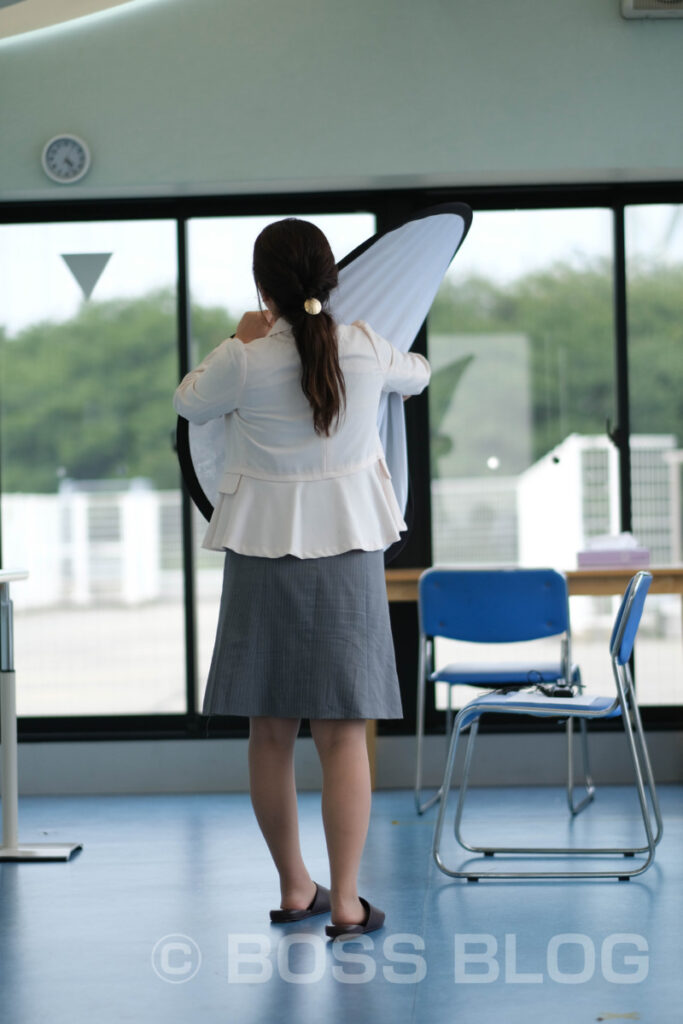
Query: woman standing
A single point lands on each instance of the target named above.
(305, 510)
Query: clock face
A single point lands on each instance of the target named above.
(65, 158)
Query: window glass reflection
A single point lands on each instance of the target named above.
(654, 287)
(90, 497)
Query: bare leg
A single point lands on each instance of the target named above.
(273, 796)
(346, 798)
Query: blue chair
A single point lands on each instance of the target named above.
(492, 606)
(620, 704)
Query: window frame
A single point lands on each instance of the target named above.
(389, 206)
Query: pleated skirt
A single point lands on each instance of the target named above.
(304, 638)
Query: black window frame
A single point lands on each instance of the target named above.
(389, 207)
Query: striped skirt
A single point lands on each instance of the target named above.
(304, 638)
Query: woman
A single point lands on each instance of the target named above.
(305, 511)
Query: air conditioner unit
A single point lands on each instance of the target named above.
(652, 8)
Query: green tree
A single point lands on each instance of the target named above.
(567, 315)
(655, 327)
(90, 398)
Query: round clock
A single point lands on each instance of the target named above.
(66, 158)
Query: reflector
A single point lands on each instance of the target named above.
(390, 281)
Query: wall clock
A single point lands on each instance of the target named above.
(66, 158)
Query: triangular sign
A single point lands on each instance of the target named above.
(87, 268)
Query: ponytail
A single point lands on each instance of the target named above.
(293, 263)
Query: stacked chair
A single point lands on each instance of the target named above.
(493, 606)
(564, 703)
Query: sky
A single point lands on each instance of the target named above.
(37, 284)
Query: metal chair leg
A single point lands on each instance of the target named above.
(643, 752)
(473, 873)
(469, 754)
(446, 786)
(630, 731)
(588, 781)
(422, 806)
(449, 723)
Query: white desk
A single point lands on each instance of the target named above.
(11, 848)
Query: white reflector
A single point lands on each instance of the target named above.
(390, 281)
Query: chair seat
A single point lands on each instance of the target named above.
(539, 704)
(501, 673)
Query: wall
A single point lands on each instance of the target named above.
(220, 766)
(254, 95)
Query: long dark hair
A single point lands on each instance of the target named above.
(293, 262)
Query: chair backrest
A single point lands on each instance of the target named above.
(629, 616)
(620, 613)
(493, 605)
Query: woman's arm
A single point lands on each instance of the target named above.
(214, 388)
(405, 372)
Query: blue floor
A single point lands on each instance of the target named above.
(163, 916)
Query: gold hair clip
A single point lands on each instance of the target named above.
(312, 306)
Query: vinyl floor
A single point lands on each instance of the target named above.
(163, 916)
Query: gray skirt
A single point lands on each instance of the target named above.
(304, 638)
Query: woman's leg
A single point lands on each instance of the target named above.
(346, 798)
(273, 796)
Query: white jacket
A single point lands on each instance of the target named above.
(286, 489)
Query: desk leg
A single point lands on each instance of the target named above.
(8, 714)
(371, 737)
(11, 848)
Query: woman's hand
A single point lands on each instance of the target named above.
(254, 325)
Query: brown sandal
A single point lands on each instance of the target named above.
(374, 919)
(320, 904)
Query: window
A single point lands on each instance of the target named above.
(654, 281)
(89, 478)
(521, 341)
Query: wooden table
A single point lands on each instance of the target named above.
(596, 582)
(402, 583)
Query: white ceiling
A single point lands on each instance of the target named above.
(19, 16)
